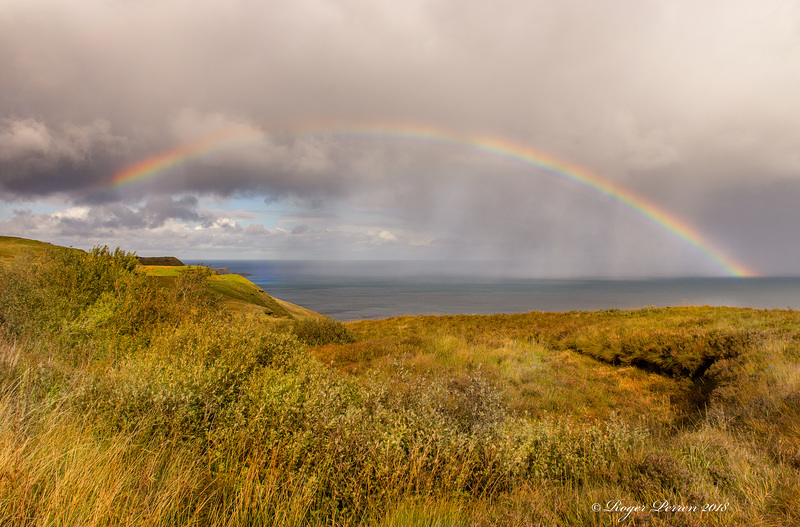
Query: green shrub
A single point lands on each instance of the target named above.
(87, 306)
(190, 375)
(192, 290)
(21, 303)
(317, 331)
(46, 297)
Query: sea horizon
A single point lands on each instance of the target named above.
(370, 289)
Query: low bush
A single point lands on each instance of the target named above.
(317, 331)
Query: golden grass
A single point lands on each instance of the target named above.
(123, 403)
(11, 247)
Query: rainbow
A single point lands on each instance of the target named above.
(219, 140)
(496, 146)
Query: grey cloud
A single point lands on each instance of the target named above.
(758, 222)
(39, 160)
(107, 217)
(160, 208)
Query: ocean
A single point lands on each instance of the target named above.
(356, 290)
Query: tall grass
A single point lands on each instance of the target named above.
(127, 401)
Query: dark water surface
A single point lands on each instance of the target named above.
(364, 290)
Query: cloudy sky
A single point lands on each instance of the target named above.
(692, 106)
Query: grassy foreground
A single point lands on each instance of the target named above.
(126, 399)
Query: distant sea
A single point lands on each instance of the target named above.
(374, 289)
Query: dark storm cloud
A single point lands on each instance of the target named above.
(683, 102)
(38, 160)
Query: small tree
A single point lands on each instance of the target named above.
(192, 289)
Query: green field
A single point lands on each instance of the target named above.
(145, 395)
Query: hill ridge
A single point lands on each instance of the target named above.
(235, 291)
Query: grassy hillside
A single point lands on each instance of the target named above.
(131, 398)
(159, 260)
(233, 291)
(11, 246)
